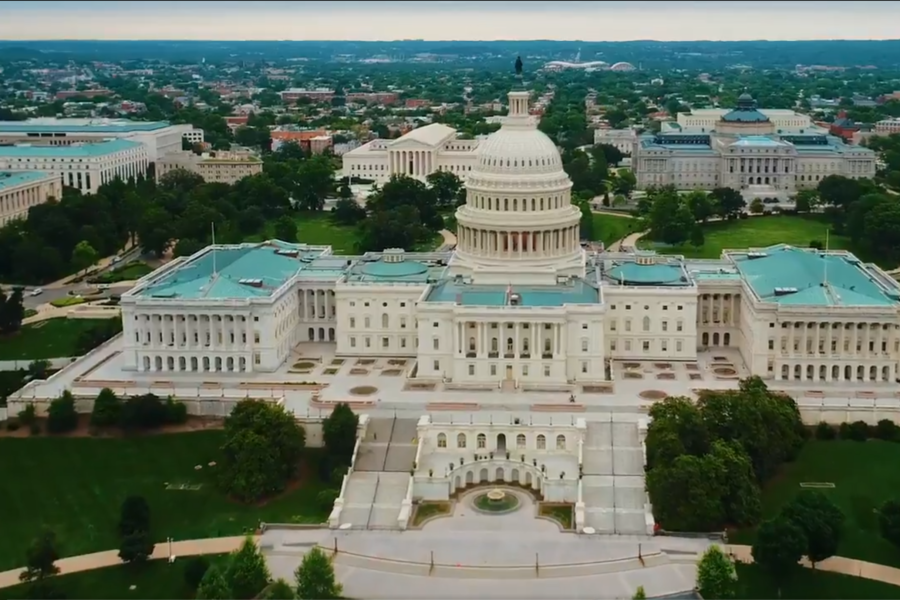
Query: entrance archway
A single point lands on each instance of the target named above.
(501, 442)
(509, 372)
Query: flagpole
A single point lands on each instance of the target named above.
(213, 227)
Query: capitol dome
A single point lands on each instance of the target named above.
(518, 207)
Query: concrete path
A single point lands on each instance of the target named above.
(449, 239)
(629, 241)
(223, 545)
(109, 558)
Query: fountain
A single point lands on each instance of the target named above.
(496, 501)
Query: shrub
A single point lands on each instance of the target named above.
(62, 416)
(825, 432)
(27, 415)
(326, 499)
(887, 430)
(134, 516)
(35, 428)
(176, 412)
(142, 412)
(12, 426)
(107, 409)
(844, 431)
(859, 431)
(194, 570)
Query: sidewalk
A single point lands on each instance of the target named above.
(98, 266)
(630, 241)
(109, 558)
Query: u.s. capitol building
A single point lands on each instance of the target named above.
(764, 154)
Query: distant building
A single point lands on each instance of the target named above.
(95, 93)
(82, 166)
(887, 126)
(417, 154)
(316, 95)
(19, 191)
(194, 136)
(159, 137)
(843, 126)
(622, 139)
(320, 144)
(383, 98)
(744, 149)
(214, 167)
(301, 137)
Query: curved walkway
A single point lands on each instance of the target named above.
(223, 545)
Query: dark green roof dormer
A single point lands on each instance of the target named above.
(746, 111)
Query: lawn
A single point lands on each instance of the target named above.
(52, 338)
(129, 272)
(610, 228)
(807, 583)
(755, 232)
(155, 579)
(865, 474)
(75, 487)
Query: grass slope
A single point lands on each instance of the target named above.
(753, 584)
(610, 228)
(52, 338)
(75, 487)
(865, 474)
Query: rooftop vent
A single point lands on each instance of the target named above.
(784, 291)
(515, 300)
(393, 255)
(256, 283)
(753, 255)
(287, 252)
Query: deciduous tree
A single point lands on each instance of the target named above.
(136, 547)
(134, 516)
(716, 577)
(779, 546)
(821, 521)
(339, 432)
(889, 521)
(40, 559)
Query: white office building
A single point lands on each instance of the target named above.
(19, 191)
(419, 153)
(159, 137)
(764, 154)
(83, 166)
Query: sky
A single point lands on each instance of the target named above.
(448, 20)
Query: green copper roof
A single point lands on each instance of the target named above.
(390, 270)
(656, 274)
(74, 151)
(10, 179)
(794, 276)
(466, 294)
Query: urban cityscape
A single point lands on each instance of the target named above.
(424, 318)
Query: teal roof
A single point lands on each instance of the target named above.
(631, 273)
(401, 271)
(233, 272)
(62, 127)
(466, 294)
(79, 151)
(758, 141)
(392, 270)
(745, 112)
(10, 179)
(794, 276)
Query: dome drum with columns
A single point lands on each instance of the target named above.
(518, 212)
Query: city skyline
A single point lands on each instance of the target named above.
(448, 20)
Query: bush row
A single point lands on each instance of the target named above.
(859, 431)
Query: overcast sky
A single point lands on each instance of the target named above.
(442, 20)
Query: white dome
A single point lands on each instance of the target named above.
(518, 151)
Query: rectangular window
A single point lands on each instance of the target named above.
(612, 325)
(627, 345)
(546, 370)
(584, 345)
(436, 343)
(368, 342)
(493, 370)
(665, 325)
(646, 345)
(437, 365)
(402, 322)
(353, 342)
(584, 366)
(352, 322)
(256, 336)
(471, 370)
(403, 342)
(524, 370)
(664, 345)
(678, 346)
(367, 323)
(771, 344)
(679, 326)
(612, 345)
(627, 324)
(385, 342)
(256, 358)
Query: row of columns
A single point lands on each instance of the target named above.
(761, 165)
(718, 309)
(515, 244)
(194, 364)
(827, 373)
(16, 203)
(317, 305)
(861, 340)
(527, 339)
(414, 163)
(213, 332)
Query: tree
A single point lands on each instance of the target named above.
(346, 211)
(187, 247)
(889, 521)
(213, 586)
(262, 450)
(639, 594)
(670, 218)
(315, 577)
(806, 200)
(107, 408)
(61, 415)
(279, 590)
(40, 559)
(757, 207)
(247, 573)
(134, 516)
(701, 204)
(286, 229)
(136, 547)
(687, 494)
(446, 187)
(716, 577)
(697, 237)
(729, 202)
(12, 311)
(339, 432)
(83, 256)
(820, 520)
(741, 495)
(194, 569)
(612, 154)
(779, 546)
(37, 369)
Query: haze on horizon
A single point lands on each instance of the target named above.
(448, 20)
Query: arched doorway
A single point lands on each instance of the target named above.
(501, 442)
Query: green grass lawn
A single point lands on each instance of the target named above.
(753, 584)
(865, 474)
(754, 232)
(129, 272)
(610, 228)
(153, 580)
(52, 338)
(75, 487)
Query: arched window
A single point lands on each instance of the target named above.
(520, 440)
(509, 345)
(461, 440)
(541, 442)
(442, 440)
(560, 442)
(481, 440)
(384, 321)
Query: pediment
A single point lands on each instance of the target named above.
(408, 144)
